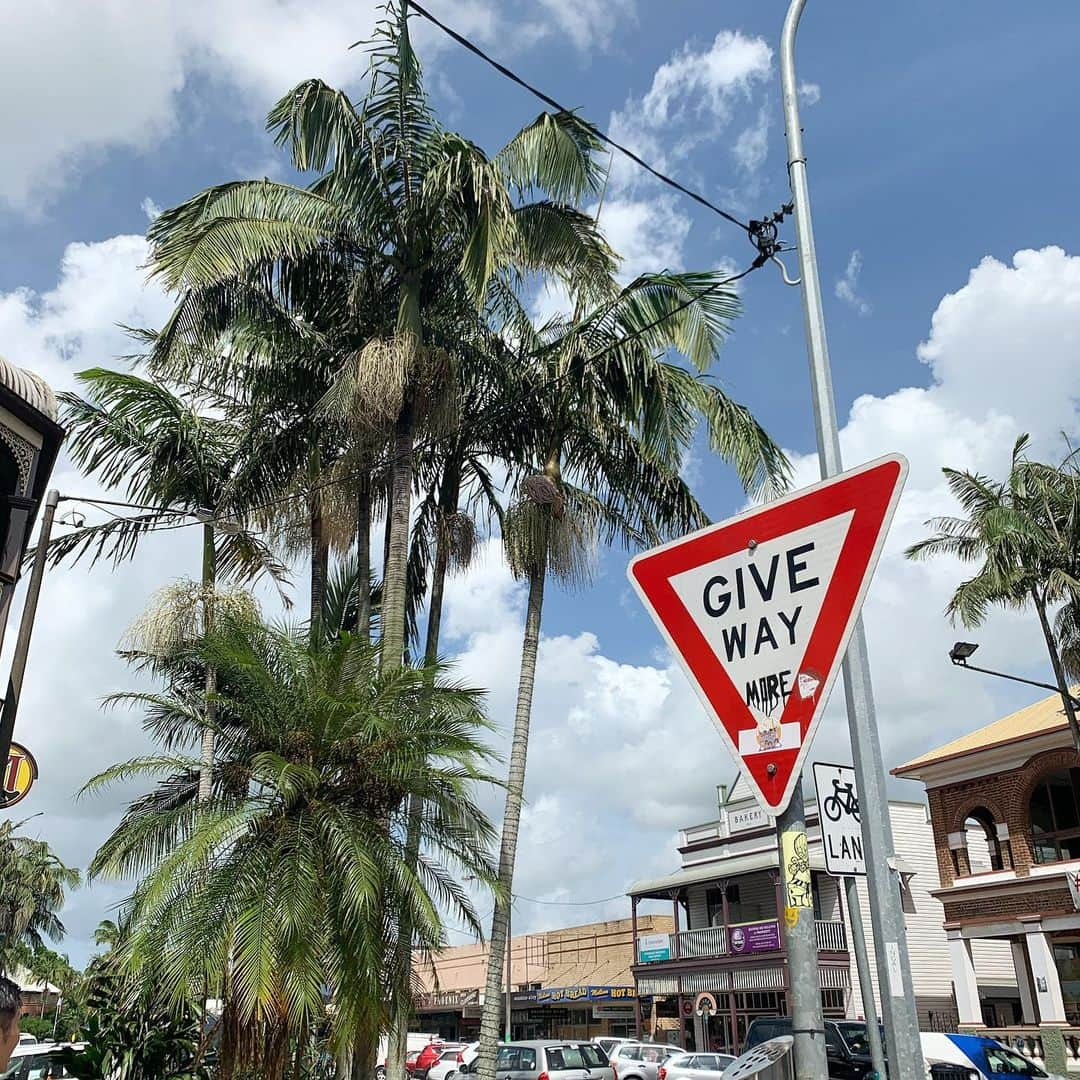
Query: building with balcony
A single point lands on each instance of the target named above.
(1005, 811)
(728, 936)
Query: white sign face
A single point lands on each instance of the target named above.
(841, 826)
(746, 818)
(757, 609)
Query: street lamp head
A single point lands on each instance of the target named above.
(961, 652)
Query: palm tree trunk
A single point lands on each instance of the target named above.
(395, 572)
(450, 491)
(320, 561)
(363, 554)
(1059, 668)
(209, 584)
(519, 748)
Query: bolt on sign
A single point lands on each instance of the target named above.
(759, 610)
(19, 775)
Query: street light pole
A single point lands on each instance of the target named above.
(894, 969)
(26, 628)
(962, 650)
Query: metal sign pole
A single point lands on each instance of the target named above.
(800, 935)
(26, 629)
(862, 965)
(894, 969)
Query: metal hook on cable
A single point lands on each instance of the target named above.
(783, 272)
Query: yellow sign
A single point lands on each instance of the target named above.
(19, 776)
(791, 917)
(796, 858)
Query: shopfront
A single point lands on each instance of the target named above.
(573, 1012)
(452, 1014)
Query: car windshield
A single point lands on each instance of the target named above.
(855, 1036)
(1006, 1062)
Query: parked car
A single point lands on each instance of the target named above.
(980, 1057)
(557, 1059)
(431, 1055)
(41, 1061)
(26, 1039)
(448, 1065)
(846, 1048)
(693, 1066)
(416, 1041)
(639, 1061)
(608, 1043)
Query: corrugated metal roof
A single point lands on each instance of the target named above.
(33, 389)
(1041, 718)
(716, 870)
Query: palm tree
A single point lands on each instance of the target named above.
(178, 461)
(288, 878)
(1024, 532)
(615, 423)
(408, 211)
(33, 886)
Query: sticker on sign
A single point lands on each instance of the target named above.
(841, 824)
(759, 610)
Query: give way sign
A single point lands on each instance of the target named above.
(759, 610)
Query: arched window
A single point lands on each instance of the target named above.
(983, 847)
(1054, 812)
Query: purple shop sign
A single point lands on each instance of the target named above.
(755, 937)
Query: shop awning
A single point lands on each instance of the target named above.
(717, 870)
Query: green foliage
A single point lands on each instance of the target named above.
(286, 877)
(132, 1034)
(41, 1027)
(33, 886)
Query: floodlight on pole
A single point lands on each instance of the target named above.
(962, 651)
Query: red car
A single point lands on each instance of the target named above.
(427, 1057)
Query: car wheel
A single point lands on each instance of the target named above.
(380, 1073)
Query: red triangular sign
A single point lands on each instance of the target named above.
(759, 610)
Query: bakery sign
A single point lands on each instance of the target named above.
(747, 818)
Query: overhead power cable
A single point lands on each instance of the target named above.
(548, 100)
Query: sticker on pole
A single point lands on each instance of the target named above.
(759, 610)
(841, 824)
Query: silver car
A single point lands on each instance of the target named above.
(694, 1067)
(640, 1061)
(558, 1059)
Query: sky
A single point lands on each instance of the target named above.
(943, 187)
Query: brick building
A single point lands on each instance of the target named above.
(1005, 811)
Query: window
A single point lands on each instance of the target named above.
(1054, 814)
(594, 1058)
(507, 1059)
(527, 1059)
(981, 841)
(1002, 1061)
(715, 904)
(566, 1057)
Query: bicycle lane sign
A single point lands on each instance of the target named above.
(841, 826)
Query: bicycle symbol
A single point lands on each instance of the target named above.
(842, 801)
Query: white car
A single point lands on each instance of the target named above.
(449, 1065)
(982, 1058)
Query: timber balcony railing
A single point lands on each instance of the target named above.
(743, 939)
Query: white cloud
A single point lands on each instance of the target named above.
(692, 100)
(809, 93)
(847, 286)
(752, 145)
(110, 75)
(150, 208)
(589, 24)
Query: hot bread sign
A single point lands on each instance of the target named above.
(759, 610)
